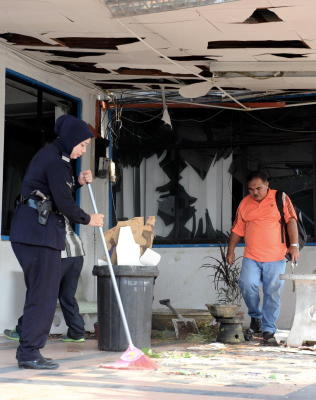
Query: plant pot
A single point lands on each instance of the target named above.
(223, 310)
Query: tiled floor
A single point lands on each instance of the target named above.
(188, 372)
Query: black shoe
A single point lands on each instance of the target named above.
(268, 338)
(255, 325)
(38, 364)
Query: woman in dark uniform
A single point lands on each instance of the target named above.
(38, 232)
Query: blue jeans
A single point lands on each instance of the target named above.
(253, 275)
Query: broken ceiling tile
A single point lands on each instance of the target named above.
(206, 73)
(283, 56)
(68, 54)
(80, 66)
(23, 40)
(143, 71)
(257, 44)
(234, 55)
(289, 55)
(192, 58)
(232, 16)
(262, 15)
(95, 42)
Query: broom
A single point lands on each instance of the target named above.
(132, 358)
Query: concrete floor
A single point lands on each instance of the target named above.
(186, 371)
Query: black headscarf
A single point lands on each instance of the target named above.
(71, 131)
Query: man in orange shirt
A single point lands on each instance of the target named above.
(258, 221)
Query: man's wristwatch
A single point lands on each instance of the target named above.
(294, 245)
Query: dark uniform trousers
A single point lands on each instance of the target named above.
(71, 269)
(67, 278)
(42, 273)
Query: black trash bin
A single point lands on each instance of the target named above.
(135, 285)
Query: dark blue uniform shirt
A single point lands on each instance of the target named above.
(50, 172)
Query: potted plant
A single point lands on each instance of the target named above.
(225, 278)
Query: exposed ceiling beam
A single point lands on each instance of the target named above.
(254, 105)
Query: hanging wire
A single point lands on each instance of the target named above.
(143, 122)
(173, 119)
(276, 127)
(198, 120)
(114, 206)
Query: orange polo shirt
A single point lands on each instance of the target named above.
(259, 224)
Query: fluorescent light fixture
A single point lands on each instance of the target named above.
(127, 8)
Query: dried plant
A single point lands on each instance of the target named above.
(225, 277)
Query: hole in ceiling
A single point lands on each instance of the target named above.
(192, 58)
(68, 54)
(23, 40)
(257, 44)
(261, 15)
(205, 71)
(289, 55)
(80, 66)
(153, 72)
(95, 43)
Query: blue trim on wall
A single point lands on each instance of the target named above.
(193, 245)
(110, 208)
(41, 84)
(9, 72)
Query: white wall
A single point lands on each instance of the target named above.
(188, 286)
(12, 287)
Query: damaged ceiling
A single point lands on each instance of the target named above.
(244, 48)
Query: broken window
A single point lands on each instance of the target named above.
(175, 174)
(193, 176)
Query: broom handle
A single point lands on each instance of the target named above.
(116, 290)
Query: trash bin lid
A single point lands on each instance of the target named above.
(126, 270)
